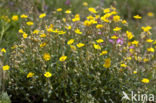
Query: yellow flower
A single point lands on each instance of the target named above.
(114, 37)
(85, 4)
(46, 56)
(49, 30)
(90, 17)
(150, 49)
(146, 29)
(3, 50)
(36, 31)
(80, 45)
(123, 65)
(59, 9)
(43, 35)
(100, 41)
(29, 23)
(129, 35)
(15, 17)
(107, 63)
(154, 42)
(71, 41)
(61, 32)
(87, 23)
(24, 16)
(63, 58)
(114, 12)
(124, 22)
(129, 58)
(117, 29)
(150, 14)
(55, 31)
(92, 10)
(99, 26)
(25, 35)
(30, 74)
(47, 74)
(43, 44)
(6, 67)
(76, 18)
(146, 60)
(72, 47)
(131, 50)
(97, 16)
(149, 40)
(116, 18)
(96, 46)
(78, 31)
(106, 10)
(68, 27)
(42, 15)
(67, 11)
(51, 26)
(137, 17)
(20, 31)
(106, 17)
(103, 53)
(145, 80)
(135, 42)
(135, 72)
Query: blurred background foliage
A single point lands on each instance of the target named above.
(127, 8)
(133, 6)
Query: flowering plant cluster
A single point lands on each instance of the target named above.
(78, 59)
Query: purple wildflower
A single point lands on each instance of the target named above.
(131, 47)
(110, 40)
(120, 41)
(99, 33)
(67, 2)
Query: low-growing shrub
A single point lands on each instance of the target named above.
(78, 59)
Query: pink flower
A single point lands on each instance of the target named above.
(67, 2)
(111, 41)
(120, 41)
(99, 33)
(131, 47)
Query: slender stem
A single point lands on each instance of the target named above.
(2, 33)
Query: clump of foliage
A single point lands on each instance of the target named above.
(74, 58)
(4, 98)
